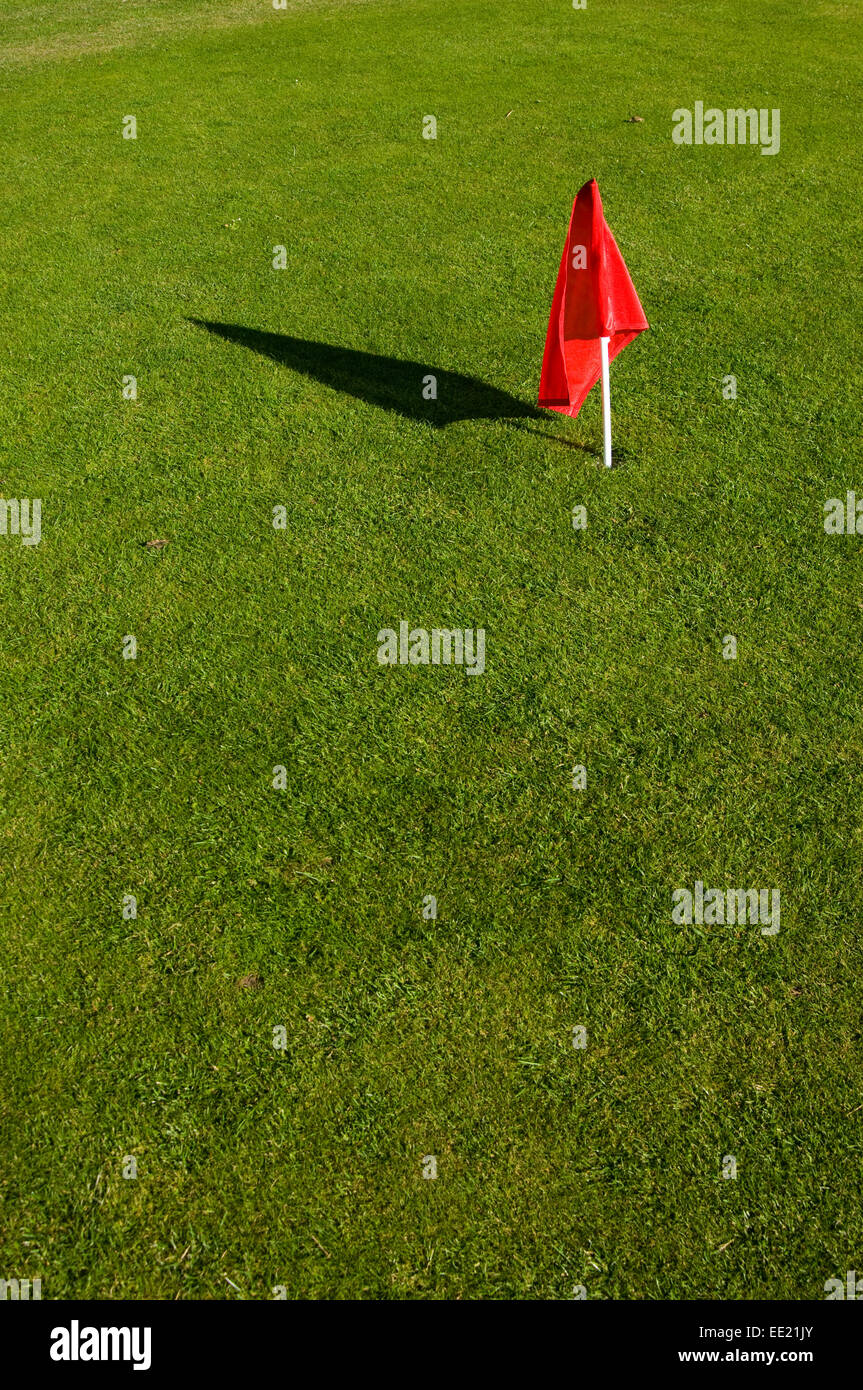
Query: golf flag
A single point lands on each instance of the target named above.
(595, 312)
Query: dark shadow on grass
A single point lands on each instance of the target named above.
(389, 382)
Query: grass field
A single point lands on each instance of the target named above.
(406, 1037)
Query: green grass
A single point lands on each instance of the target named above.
(257, 647)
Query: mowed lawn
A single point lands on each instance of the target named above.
(152, 1036)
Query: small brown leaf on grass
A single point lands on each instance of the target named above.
(156, 545)
(250, 981)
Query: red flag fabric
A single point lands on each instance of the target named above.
(594, 298)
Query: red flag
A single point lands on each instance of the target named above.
(594, 298)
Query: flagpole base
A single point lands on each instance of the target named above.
(606, 404)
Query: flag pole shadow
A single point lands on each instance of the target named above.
(618, 456)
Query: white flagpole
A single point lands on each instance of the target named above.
(606, 404)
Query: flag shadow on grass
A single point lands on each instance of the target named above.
(389, 382)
